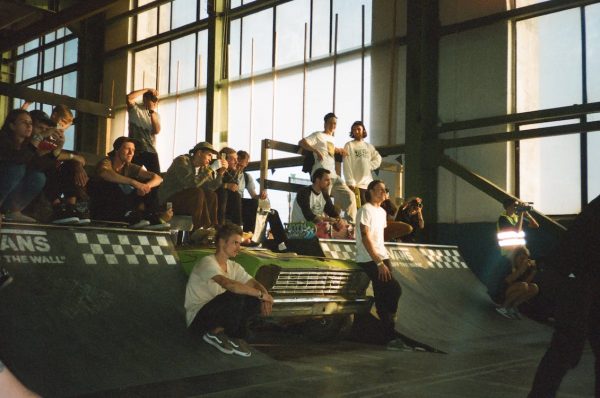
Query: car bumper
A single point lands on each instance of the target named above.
(319, 306)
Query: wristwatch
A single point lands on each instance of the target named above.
(260, 294)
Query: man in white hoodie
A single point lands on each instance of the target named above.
(360, 162)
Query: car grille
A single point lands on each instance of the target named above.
(320, 282)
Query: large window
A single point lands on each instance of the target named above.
(553, 70)
(49, 63)
(286, 67)
(178, 69)
(274, 93)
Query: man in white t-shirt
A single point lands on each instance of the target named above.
(221, 296)
(144, 125)
(321, 144)
(373, 258)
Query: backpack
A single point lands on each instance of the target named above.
(308, 162)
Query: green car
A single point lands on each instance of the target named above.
(322, 293)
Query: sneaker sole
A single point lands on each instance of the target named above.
(238, 351)
(69, 220)
(140, 224)
(216, 345)
(157, 227)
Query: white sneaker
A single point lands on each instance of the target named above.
(17, 216)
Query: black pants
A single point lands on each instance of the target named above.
(148, 159)
(229, 206)
(61, 181)
(249, 208)
(577, 319)
(109, 202)
(387, 295)
(229, 311)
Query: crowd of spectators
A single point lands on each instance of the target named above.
(127, 185)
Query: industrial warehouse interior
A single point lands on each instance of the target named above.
(469, 103)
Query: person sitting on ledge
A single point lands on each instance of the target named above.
(313, 202)
(221, 297)
(183, 185)
(19, 183)
(123, 190)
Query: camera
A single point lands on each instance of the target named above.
(523, 207)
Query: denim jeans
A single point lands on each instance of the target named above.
(19, 185)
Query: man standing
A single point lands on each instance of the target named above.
(184, 185)
(221, 297)
(313, 202)
(577, 313)
(321, 144)
(124, 190)
(144, 125)
(373, 258)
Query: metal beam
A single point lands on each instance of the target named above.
(494, 191)
(282, 186)
(49, 23)
(277, 163)
(521, 135)
(523, 117)
(386, 150)
(90, 107)
(534, 10)
(281, 146)
(422, 77)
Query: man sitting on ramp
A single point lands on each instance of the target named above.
(221, 297)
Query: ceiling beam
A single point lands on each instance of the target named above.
(49, 23)
(29, 94)
(538, 116)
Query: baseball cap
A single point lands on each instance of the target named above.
(206, 146)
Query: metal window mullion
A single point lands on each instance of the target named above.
(583, 147)
(274, 39)
(330, 25)
(516, 145)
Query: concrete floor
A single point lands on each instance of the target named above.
(287, 365)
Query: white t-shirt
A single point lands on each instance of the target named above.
(201, 288)
(362, 159)
(140, 128)
(317, 206)
(374, 218)
(324, 144)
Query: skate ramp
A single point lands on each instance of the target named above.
(443, 304)
(97, 309)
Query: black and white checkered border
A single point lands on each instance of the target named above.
(400, 255)
(443, 258)
(339, 250)
(113, 249)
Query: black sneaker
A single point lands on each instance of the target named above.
(83, 212)
(157, 224)
(135, 220)
(64, 214)
(5, 278)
